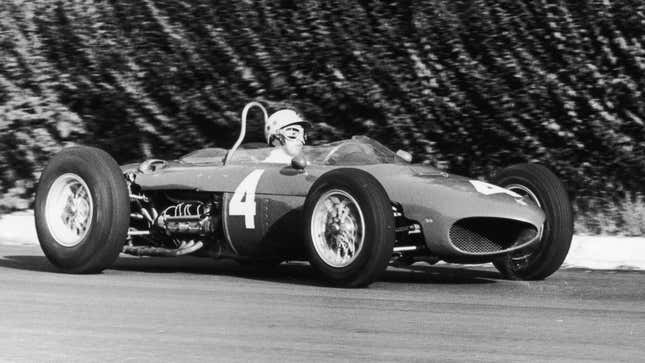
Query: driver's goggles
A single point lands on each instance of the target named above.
(294, 133)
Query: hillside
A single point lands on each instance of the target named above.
(470, 86)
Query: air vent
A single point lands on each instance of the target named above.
(488, 235)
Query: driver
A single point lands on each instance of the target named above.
(285, 131)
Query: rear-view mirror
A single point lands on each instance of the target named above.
(404, 155)
(299, 162)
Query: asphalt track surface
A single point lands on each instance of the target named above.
(189, 309)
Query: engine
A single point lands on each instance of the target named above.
(188, 222)
(187, 217)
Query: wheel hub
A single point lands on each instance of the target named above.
(337, 228)
(68, 209)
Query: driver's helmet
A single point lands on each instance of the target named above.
(285, 125)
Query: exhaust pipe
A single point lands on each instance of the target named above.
(184, 249)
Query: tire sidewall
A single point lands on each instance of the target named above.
(98, 241)
(558, 225)
(369, 257)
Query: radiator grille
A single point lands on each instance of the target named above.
(489, 235)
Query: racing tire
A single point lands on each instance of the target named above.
(349, 227)
(82, 210)
(542, 186)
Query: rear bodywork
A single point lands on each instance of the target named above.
(438, 214)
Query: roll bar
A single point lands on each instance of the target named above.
(245, 111)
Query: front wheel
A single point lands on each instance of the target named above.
(349, 227)
(539, 184)
(82, 210)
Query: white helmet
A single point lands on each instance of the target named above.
(279, 120)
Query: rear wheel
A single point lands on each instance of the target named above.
(82, 210)
(539, 184)
(349, 227)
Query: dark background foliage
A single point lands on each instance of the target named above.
(469, 85)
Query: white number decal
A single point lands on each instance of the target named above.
(489, 189)
(243, 201)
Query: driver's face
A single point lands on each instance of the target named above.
(294, 133)
(294, 139)
(293, 148)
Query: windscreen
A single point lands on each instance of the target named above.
(357, 150)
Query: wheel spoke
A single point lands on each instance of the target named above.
(336, 229)
(69, 209)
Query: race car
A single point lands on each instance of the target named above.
(349, 207)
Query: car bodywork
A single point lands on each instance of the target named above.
(255, 208)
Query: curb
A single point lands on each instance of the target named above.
(589, 252)
(18, 229)
(606, 253)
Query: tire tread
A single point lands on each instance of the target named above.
(555, 203)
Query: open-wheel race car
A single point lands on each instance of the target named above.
(348, 207)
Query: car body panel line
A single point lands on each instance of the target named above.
(227, 236)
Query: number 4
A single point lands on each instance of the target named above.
(489, 189)
(243, 200)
